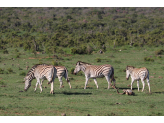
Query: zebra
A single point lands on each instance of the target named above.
(95, 71)
(61, 71)
(138, 74)
(40, 71)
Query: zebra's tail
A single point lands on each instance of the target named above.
(52, 75)
(113, 79)
(147, 74)
(66, 75)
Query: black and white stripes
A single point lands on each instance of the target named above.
(40, 72)
(138, 74)
(61, 72)
(95, 71)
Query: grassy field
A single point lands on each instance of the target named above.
(77, 101)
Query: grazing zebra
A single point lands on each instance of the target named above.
(95, 71)
(61, 71)
(138, 74)
(40, 72)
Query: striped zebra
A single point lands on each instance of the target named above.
(95, 71)
(61, 71)
(40, 71)
(138, 74)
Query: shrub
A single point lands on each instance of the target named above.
(159, 52)
(16, 50)
(56, 63)
(22, 74)
(1, 71)
(73, 50)
(72, 70)
(98, 60)
(135, 45)
(148, 59)
(5, 51)
(17, 56)
(10, 70)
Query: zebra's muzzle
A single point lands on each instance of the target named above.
(25, 89)
(127, 78)
(74, 73)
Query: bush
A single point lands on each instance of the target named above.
(17, 56)
(1, 71)
(98, 60)
(56, 63)
(148, 59)
(22, 74)
(82, 50)
(5, 51)
(16, 50)
(159, 52)
(73, 50)
(72, 70)
(10, 70)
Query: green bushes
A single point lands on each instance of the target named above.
(56, 63)
(72, 70)
(148, 59)
(98, 60)
(1, 71)
(22, 74)
(159, 52)
(82, 50)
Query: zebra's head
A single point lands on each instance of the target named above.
(27, 83)
(128, 71)
(77, 68)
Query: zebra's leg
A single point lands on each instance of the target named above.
(132, 83)
(36, 86)
(40, 86)
(138, 84)
(108, 80)
(41, 82)
(143, 83)
(60, 80)
(86, 82)
(69, 84)
(148, 84)
(96, 83)
(52, 88)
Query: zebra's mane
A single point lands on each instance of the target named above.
(33, 68)
(130, 67)
(83, 63)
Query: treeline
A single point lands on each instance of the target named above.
(86, 29)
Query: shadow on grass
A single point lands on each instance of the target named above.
(162, 92)
(128, 88)
(75, 93)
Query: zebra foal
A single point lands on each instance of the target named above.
(61, 71)
(95, 71)
(40, 72)
(138, 74)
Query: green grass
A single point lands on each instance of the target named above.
(77, 101)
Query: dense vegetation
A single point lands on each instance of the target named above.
(50, 29)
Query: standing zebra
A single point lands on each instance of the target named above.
(138, 74)
(95, 71)
(61, 71)
(40, 72)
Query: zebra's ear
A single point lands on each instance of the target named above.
(127, 67)
(78, 63)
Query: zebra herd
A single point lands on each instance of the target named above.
(49, 72)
